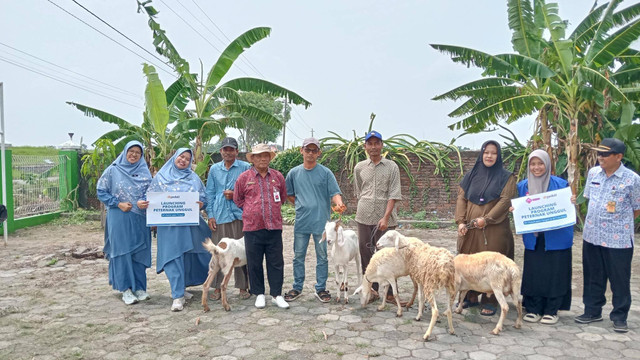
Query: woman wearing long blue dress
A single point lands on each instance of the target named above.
(180, 252)
(546, 275)
(127, 241)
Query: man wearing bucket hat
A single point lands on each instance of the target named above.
(259, 192)
(377, 187)
(607, 249)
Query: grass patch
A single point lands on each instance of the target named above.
(77, 217)
(426, 225)
(34, 150)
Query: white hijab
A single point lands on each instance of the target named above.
(539, 184)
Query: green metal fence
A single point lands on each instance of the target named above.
(39, 188)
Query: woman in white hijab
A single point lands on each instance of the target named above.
(546, 277)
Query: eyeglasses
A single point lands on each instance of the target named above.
(134, 152)
(313, 151)
(605, 154)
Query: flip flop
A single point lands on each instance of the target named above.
(468, 304)
(531, 317)
(490, 308)
(244, 294)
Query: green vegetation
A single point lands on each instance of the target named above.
(395, 148)
(34, 150)
(581, 87)
(77, 217)
(287, 160)
(94, 163)
(167, 123)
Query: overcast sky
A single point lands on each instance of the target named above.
(348, 58)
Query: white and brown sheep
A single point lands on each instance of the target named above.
(431, 267)
(229, 253)
(491, 273)
(344, 248)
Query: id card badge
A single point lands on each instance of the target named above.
(611, 206)
(276, 195)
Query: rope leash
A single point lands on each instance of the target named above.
(474, 225)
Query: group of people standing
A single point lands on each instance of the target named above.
(613, 192)
(245, 200)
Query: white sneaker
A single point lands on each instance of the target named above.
(279, 300)
(142, 295)
(260, 301)
(129, 298)
(187, 295)
(178, 304)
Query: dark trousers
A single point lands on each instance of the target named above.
(367, 241)
(601, 264)
(264, 244)
(543, 305)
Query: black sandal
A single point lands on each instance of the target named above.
(323, 296)
(292, 295)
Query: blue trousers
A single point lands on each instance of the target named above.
(186, 270)
(300, 245)
(601, 264)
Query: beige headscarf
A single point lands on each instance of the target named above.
(539, 184)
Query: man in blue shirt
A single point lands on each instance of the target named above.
(225, 218)
(614, 202)
(311, 187)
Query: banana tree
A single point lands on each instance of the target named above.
(155, 132)
(216, 104)
(395, 148)
(575, 85)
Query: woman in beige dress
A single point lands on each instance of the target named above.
(482, 209)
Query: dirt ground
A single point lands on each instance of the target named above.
(52, 304)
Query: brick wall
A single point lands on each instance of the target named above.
(430, 192)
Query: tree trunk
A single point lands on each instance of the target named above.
(198, 156)
(573, 172)
(546, 139)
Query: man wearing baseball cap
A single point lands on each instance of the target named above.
(225, 218)
(377, 187)
(607, 248)
(311, 187)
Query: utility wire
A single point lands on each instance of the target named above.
(67, 82)
(106, 86)
(119, 32)
(110, 38)
(242, 58)
(199, 34)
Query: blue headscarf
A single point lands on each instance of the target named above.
(172, 179)
(126, 181)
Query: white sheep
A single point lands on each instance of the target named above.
(385, 266)
(228, 254)
(490, 272)
(431, 267)
(344, 248)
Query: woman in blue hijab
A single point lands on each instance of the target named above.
(180, 252)
(127, 240)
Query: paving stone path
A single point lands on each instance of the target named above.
(54, 306)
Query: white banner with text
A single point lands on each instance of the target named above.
(542, 212)
(173, 208)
